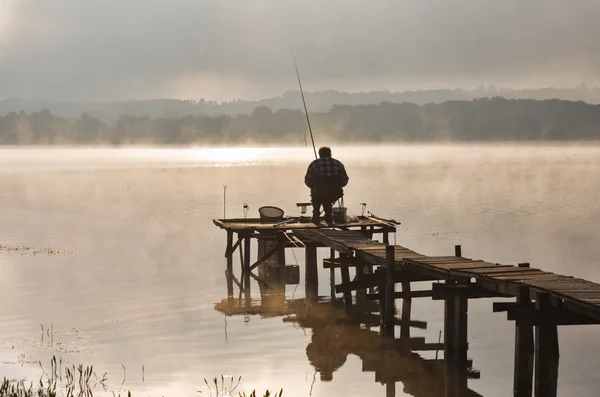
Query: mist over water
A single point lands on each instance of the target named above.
(145, 264)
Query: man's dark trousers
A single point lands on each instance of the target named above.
(324, 196)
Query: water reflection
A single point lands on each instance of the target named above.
(337, 334)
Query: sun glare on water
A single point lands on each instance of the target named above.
(230, 155)
(225, 157)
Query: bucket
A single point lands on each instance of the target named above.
(269, 212)
(339, 214)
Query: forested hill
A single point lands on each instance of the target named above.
(494, 119)
(317, 101)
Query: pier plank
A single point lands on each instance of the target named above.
(504, 269)
(580, 296)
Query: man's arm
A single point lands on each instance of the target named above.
(309, 178)
(343, 175)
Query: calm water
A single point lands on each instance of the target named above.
(144, 263)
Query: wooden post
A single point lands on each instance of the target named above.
(461, 343)
(524, 346)
(380, 275)
(546, 353)
(406, 305)
(458, 250)
(388, 317)
(311, 273)
(390, 388)
(247, 268)
(281, 263)
(449, 343)
(229, 271)
(361, 293)
(363, 230)
(242, 269)
(367, 269)
(332, 275)
(345, 279)
(386, 237)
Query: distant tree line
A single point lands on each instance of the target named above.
(495, 119)
(317, 101)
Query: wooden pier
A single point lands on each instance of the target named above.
(543, 300)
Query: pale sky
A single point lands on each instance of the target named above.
(85, 50)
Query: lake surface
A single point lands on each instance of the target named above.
(140, 263)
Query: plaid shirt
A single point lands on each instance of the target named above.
(326, 170)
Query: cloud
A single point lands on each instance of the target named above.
(82, 50)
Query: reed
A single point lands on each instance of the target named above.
(80, 381)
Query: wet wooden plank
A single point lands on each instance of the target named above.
(564, 285)
(413, 258)
(371, 247)
(464, 265)
(219, 223)
(526, 276)
(595, 301)
(349, 237)
(352, 239)
(240, 226)
(587, 295)
(502, 269)
(430, 260)
(494, 277)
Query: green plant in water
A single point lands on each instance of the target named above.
(227, 388)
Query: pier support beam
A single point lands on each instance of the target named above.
(524, 348)
(455, 340)
(546, 353)
(406, 306)
(456, 335)
(365, 305)
(390, 389)
(246, 266)
(449, 347)
(229, 270)
(388, 296)
(461, 343)
(280, 287)
(381, 280)
(311, 273)
(346, 279)
(332, 275)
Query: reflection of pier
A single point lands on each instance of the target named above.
(543, 300)
(337, 334)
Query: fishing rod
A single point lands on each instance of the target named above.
(305, 111)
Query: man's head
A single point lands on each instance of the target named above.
(324, 151)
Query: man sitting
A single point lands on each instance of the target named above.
(326, 177)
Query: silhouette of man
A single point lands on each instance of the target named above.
(326, 177)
